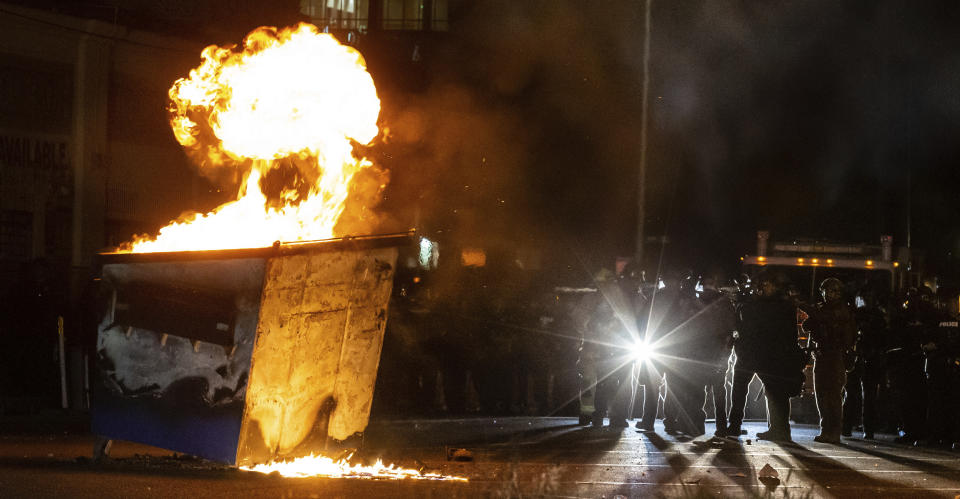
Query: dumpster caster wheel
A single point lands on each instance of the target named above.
(101, 449)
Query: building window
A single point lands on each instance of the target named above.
(337, 14)
(395, 14)
(409, 14)
(403, 14)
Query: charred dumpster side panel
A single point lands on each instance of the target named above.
(173, 353)
(243, 356)
(315, 361)
(360, 359)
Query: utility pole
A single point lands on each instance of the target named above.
(641, 177)
(909, 205)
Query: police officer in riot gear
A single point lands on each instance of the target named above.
(720, 324)
(864, 381)
(613, 374)
(605, 363)
(832, 329)
(647, 374)
(593, 356)
(940, 350)
(668, 307)
(767, 346)
(686, 342)
(701, 345)
(588, 356)
(906, 365)
(950, 342)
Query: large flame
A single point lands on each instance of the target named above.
(314, 465)
(291, 97)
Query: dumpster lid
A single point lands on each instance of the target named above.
(278, 248)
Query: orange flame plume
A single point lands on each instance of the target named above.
(290, 97)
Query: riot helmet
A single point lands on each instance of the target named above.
(832, 290)
(770, 283)
(688, 286)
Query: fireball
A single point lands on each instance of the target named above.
(287, 105)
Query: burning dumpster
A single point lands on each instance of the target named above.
(243, 352)
(242, 356)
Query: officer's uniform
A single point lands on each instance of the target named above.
(648, 375)
(863, 383)
(702, 351)
(767, 346)
(941, 366)
(832, 327)
(604, 364)
(667, 310)
(906, 363)
(720, 322)
(587, 356)
(688, 351)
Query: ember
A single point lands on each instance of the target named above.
(313, 465)
(294, 97)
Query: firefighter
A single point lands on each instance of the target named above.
(766, 345)
(832, 330)
(864, 381)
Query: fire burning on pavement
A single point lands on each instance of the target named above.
(286, 105)
(313, 465)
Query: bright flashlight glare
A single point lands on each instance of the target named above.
(641, 351)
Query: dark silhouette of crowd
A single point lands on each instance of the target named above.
(881, 361)
(681, 348)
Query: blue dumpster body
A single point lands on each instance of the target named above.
(242, 356)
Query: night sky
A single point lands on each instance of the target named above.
(812, 119)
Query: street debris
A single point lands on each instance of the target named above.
(459, 454)
(768, 472)
(768, 476)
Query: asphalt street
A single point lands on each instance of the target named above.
(503, 457)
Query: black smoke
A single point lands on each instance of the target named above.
(810, 119)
